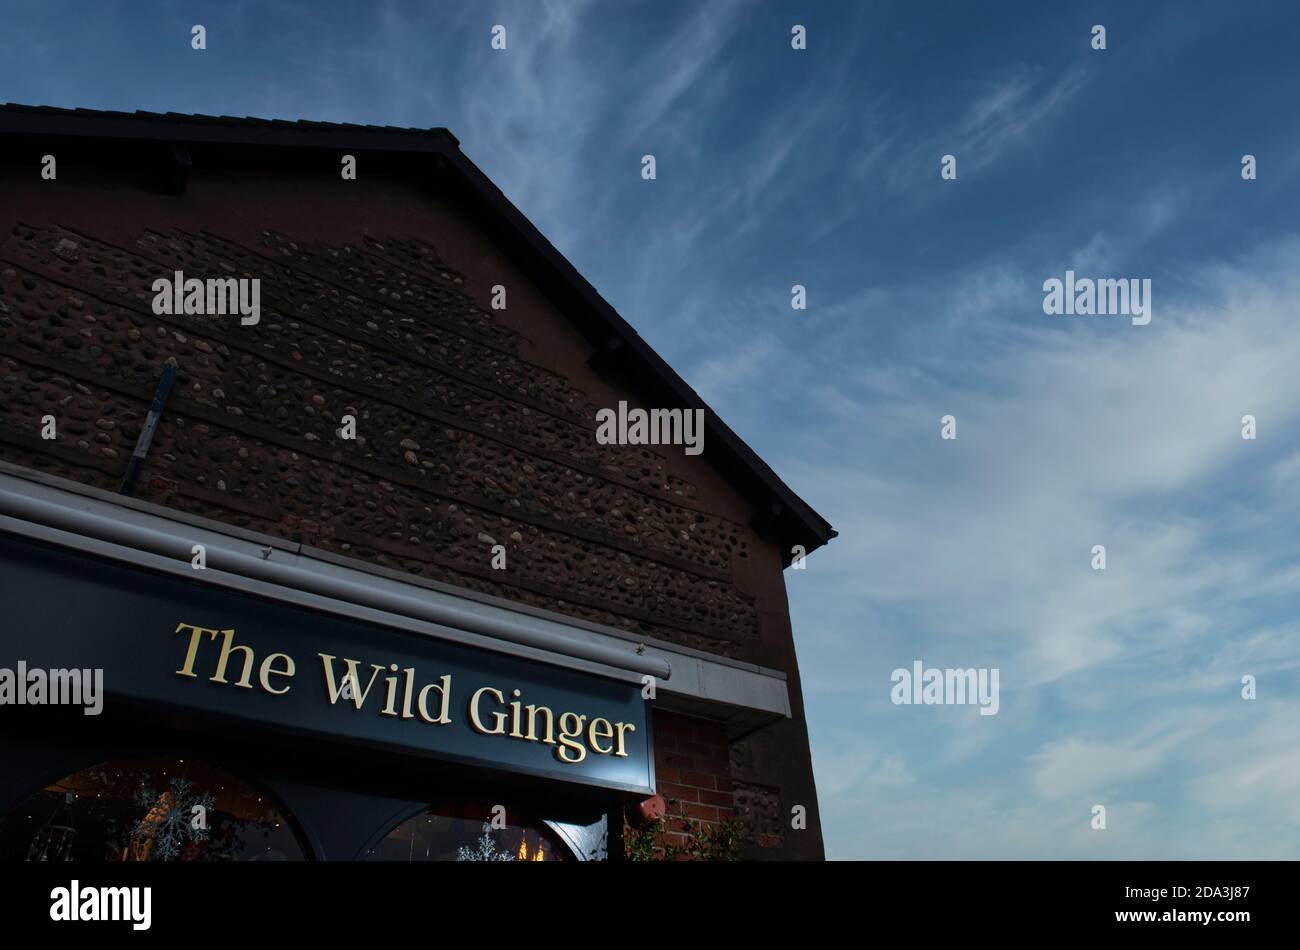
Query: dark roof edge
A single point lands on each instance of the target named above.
(226, 130)
(776, 504)
(818, 528)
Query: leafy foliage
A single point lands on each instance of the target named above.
(705, 841)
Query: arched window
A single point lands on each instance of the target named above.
(466, 833)
(149, 810)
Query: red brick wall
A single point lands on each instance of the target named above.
(696, 769)
(693, 768)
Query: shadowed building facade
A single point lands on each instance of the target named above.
(399, 454)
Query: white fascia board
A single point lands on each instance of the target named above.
(69, 515)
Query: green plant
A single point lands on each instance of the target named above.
(705, 841)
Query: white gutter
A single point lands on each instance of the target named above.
(520, 628)
(66, 514)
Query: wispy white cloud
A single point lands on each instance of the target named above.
(1068, 437)
(680, 65)
(1007, 114)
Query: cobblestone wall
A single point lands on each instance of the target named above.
(461, 444)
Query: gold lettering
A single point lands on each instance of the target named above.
(623, 727)
(228, 647)
(473, 712)
(406, 693)
(514, 717)
(422, 702)
(268, 671)
(532, 724)
(572, 734)
(390, 707)
(187, 669)
(606, 731)
(358, 694)
(567, 734)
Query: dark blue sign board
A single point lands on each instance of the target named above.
(184, 643)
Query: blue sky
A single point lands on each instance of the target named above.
(821, 167)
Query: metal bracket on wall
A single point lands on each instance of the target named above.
(150, 425)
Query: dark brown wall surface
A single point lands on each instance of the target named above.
(475, 426)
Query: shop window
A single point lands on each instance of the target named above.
(148, 810)
(467, 833)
